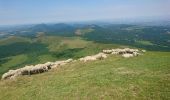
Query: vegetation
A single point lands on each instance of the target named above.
(131, 35)
(142, 77)
(83, 31)
(43, 49)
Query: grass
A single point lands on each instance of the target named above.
(12, 61)
(143, 77)
(43, 49)
(83, 31)
(14, 39)
(145, 43)
(46, 57)
(56, 43)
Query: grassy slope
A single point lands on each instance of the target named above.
(15, 60)
(143, 77)
(83, 31)
(17, 52)
(13, 39)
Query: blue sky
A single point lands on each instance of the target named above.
(43, 11)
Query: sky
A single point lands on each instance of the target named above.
(45, 11)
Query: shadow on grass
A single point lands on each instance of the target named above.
(2, 61)
(22, 48)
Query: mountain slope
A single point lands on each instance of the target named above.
(43, 49)
(143, 77)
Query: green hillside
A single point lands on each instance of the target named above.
(141, 78)
(84, 49)
(145, 77)
(16, 52)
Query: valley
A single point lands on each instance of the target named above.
(142, 77)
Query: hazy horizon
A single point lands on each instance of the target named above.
(48, 11)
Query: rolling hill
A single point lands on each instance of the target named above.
(142, 77)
